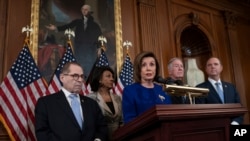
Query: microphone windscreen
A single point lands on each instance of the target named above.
(170, 81)
(179, 82)
(159, 79)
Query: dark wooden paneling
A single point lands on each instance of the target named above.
(3, 20)
(3, 134)
(147, 25)
(18, 16)
(243, 31)
(129, 25)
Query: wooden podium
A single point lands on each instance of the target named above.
(184, 122)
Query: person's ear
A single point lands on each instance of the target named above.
(61, 77)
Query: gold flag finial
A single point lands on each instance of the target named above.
(70, 33)
(127, 44)
(28, 30)
(103, 41)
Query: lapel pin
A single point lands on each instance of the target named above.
(161, 97)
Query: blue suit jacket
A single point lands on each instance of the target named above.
(230, 95)
(55, 121)
(137, 99)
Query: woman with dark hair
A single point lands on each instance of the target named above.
(101, 84)
(144, 93)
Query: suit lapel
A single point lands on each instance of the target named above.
(63, 102)
(114, 100)
(84, 115)
(213, 90)
(225, 92)
(102, 103)
(106, 109)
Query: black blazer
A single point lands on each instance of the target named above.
(230, 95)
(55, 121)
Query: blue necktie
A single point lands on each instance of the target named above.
(219, 91)
(75, 106)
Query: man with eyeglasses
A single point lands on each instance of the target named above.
(67, 115)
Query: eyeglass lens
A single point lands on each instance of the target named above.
(76, 76)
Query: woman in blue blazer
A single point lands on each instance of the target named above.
(144, 93)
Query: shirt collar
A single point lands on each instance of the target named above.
(66, 92)
(213, 81)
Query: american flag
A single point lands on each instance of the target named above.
(55, 84)
(125, 76)
(101, 60)
(19, 92)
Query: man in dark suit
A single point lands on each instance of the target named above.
(55, 120)
(228, 91)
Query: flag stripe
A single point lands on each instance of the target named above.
(10, 114)
(36, 89)
(9, 119)
(12, 124)
(30, 126)
(14, 99)
(31, 100)
(34, 92)
(53, 86)
(119, 88)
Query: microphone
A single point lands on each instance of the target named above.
(168, 80)
(159, 79)
(179, 82)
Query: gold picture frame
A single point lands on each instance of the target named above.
(118, 32)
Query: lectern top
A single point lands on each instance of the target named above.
(184, 90)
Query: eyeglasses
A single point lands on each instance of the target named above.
(76, 76)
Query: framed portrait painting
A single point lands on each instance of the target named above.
(48, 44)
